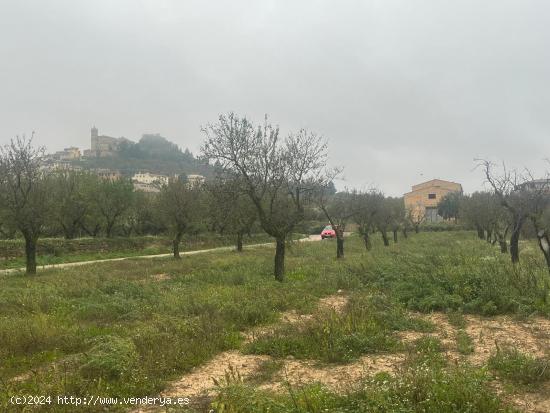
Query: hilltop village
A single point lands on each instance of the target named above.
(149, 163)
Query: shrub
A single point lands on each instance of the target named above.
(110, 357)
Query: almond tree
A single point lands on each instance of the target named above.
(24, 193)
(366, 206)
(338, 209)
(415, 216)
(72, 200)
(113, 199)
(397, 214)
(522, 200)
(230, 209)
(180, 207)
(279, 175)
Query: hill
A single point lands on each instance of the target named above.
(152, 153)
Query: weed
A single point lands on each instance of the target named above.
(366, 325)
(520, 368)
(456, 319)
(464, 343)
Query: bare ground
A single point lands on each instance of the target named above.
(531, 337)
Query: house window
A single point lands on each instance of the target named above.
(431, 196)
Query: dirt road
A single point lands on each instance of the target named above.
(78, 263)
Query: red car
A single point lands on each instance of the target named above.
(328, 232)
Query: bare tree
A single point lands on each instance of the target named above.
(113, 199)
(383, 219)
(180, 206)
(230, 209)
(338, 209)
(415, 216)
(522, 200)
(542, 227)
(499, 222)
(278, 174)
(24, 193)
(366, 206)
(538, 192)
(477, 211)
(70, 190)
(397, 215)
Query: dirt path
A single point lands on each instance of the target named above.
(200, 382)
(218, 249)
(531, 337)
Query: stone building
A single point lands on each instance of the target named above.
(108, 174)
(149, 182)
(195, 180)
(103, 145)
(150, 178)
(68, 154)
(423, 199)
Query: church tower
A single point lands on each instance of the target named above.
(94, 140)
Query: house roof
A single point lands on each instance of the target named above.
(434, 182)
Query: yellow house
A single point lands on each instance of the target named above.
(423, 199)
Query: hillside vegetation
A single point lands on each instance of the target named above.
(152, 153)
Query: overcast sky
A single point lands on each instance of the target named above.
(404, 91)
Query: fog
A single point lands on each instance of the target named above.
(404, 91)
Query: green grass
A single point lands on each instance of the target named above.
(59, 251)
(120, 329)
(265, 372)
(425, 385)
(519, 368)
(455, 390)
(455, 272)
(111, 329)
(366, 325)
(456, 319)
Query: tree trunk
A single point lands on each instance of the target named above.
(503, 246)
(544, 244)
(489, 235)
(30, 254)
(339, 246)
(417, 229)
(395, 236)
(69, 231)
(109, 229)
(239, 241)
(385, 238)
(176, 245)
(405, 234)
(480, 232)
(368, 244)
(280, 260)
(514, 244)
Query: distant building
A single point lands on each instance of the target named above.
(150, 178)
(536, 185)
(102, 145)
(108, 174)
(195, 179)
(423, 199)
(68, 154)
(53, 165)
(149, 182)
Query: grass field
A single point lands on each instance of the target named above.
(59, 251)
(422, 309)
